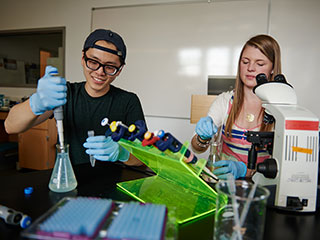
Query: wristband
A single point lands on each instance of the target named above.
(201, 143)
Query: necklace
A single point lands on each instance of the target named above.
(250, 117)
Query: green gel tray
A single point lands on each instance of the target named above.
(177, 184)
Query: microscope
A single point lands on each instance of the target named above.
(291, 174)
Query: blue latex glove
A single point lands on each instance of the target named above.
(205, 128)
(237, 169)
(105, 149)
(51, 92)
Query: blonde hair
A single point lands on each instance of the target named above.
(271, 49)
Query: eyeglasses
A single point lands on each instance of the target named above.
(95, 65)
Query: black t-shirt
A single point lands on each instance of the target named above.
(83, 113)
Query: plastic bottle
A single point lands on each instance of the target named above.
(62, 177)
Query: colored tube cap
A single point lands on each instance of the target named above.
(28, 190)
(131, 128)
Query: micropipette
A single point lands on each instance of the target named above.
(13, 217)
(188, 154)
(58, 115)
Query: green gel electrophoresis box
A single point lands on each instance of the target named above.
(177, 184)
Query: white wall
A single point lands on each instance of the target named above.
(294, 23)
(171, 54)
(75, 15)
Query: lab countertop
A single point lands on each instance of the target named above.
(101, 181)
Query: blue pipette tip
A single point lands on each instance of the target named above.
(28, 190)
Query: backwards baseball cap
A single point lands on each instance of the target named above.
(109, 36)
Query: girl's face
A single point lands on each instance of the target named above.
(252, 63)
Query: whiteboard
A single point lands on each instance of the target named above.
(173, 48)
(295, 24)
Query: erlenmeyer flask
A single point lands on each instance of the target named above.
(62, 177)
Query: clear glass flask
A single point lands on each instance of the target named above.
(214, 150)
(62, 177)
(214, 154)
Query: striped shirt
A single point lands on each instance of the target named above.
(237, 147)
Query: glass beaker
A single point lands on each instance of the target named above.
(62, 177)
(250, 202)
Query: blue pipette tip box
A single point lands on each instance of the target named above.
(139, 221)
(79, 218)
(84, 218)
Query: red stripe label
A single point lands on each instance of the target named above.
(302, 125)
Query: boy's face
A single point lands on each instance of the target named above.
(97, 81)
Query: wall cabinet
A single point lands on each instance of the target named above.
(37, 146)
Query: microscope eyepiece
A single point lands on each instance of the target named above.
(261, 78)
(280, 78)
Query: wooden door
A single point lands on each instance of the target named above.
(33, 149)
